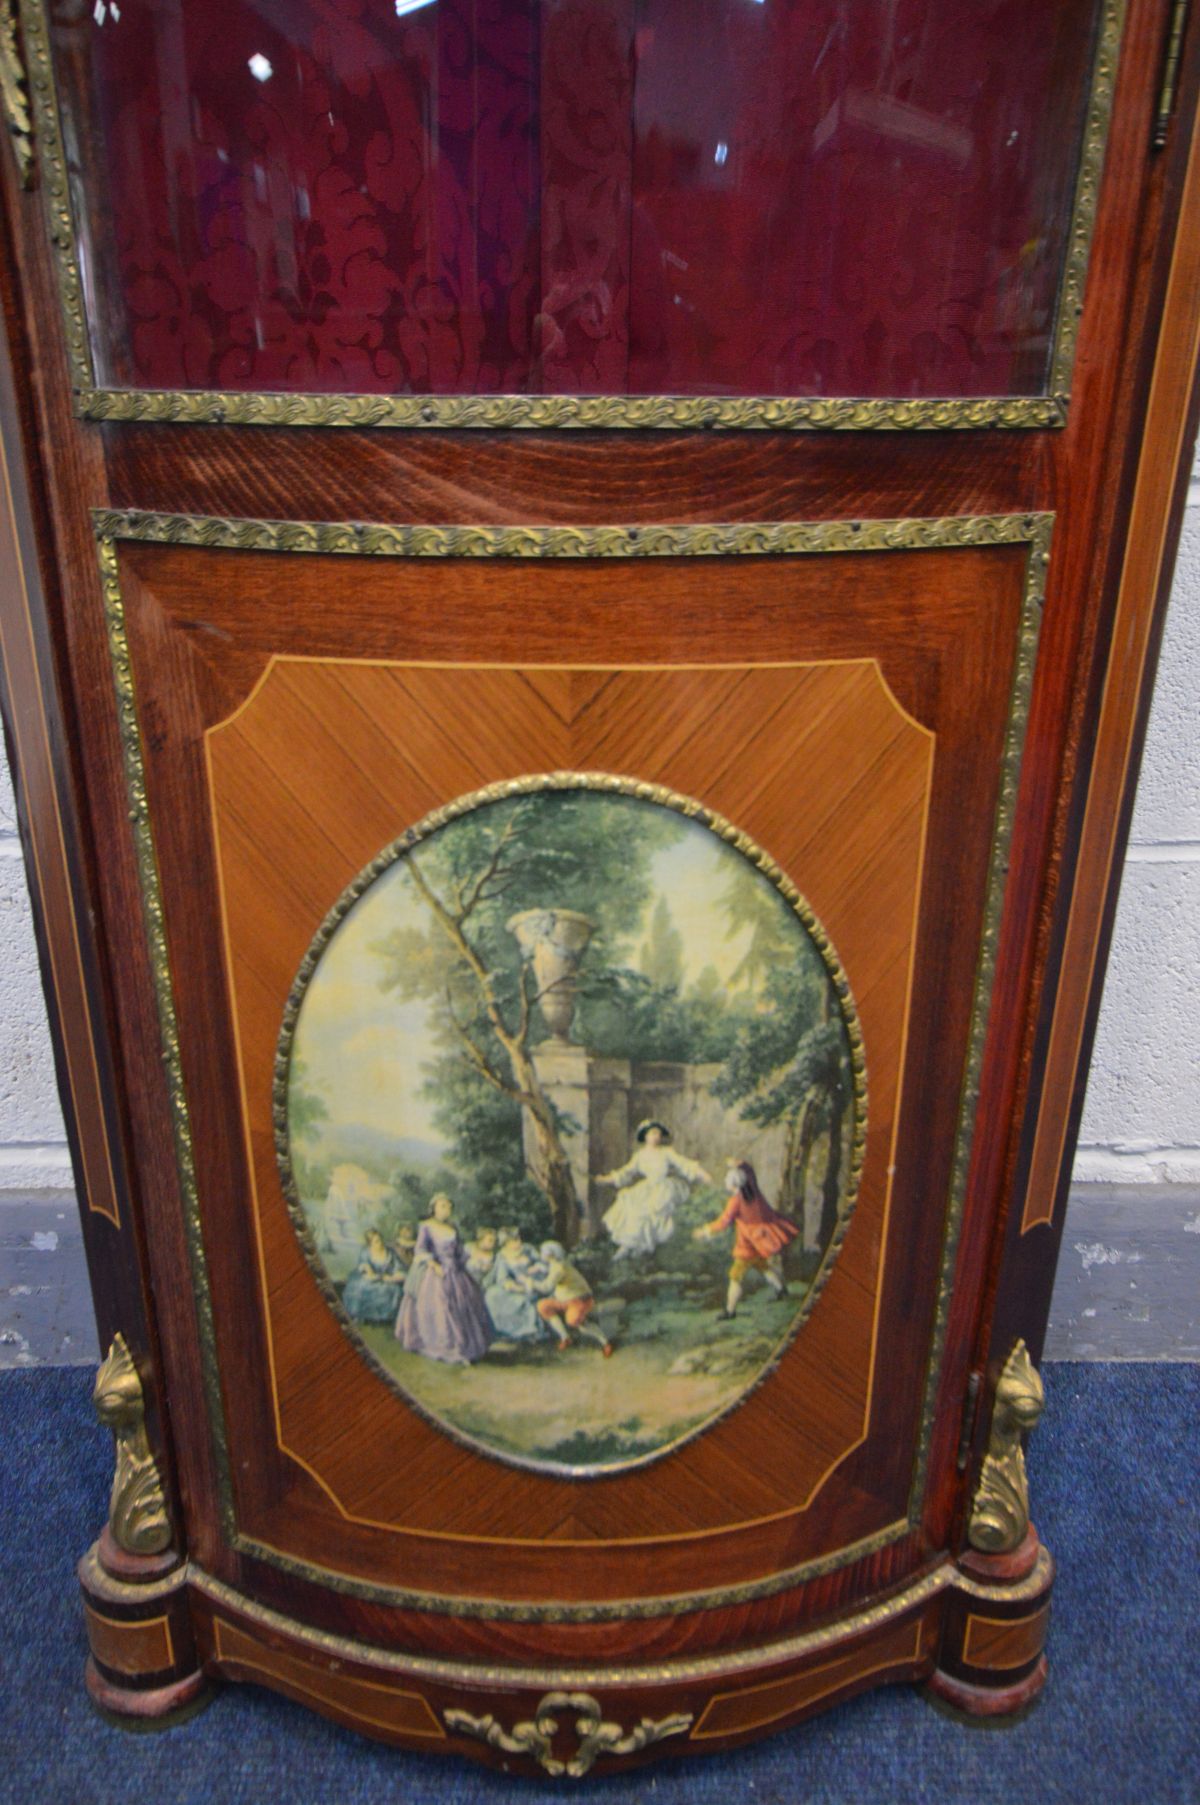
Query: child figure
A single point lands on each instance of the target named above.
(481, 1255)
(760, 1235)
(512, 1287)
(405, 1244)
(567, 1300)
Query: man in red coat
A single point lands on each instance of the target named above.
(760, 1235)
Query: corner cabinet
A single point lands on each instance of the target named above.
(581, 583)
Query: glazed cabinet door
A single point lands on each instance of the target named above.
(571, 550)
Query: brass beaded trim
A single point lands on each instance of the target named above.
(168, 1024)
(758, 539)
(660, 412)
(437, 1668)
(651, 1673)
(608, 1610)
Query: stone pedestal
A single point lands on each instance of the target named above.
(593, 1095)
(603, 1100)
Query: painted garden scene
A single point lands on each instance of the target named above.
(571, 1110)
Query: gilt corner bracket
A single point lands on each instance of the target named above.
(137, 1512)
(999, 1520)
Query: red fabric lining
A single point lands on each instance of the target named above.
(863, 197)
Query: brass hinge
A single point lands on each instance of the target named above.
(14, 94)
(970, 1412)
(1170, 73)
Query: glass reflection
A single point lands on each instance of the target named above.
(806, 197)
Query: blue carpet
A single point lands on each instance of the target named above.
(1114, 1476)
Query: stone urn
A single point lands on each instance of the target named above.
(553, 941)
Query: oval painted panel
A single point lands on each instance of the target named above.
(571, 1107)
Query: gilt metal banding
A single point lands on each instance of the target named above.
(597, 783)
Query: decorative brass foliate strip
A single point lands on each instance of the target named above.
(791, 538)
(13, 97)
(143, 837)
(56, 194)
(1087, 194)
(768, 413)
(1170, 75)
(1022, 688)
(672, 413)
(594, 1736)
(683, 1668)
(754, 539)
(137, 1507)
(999, 1520)
(609, 1610)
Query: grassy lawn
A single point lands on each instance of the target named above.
(675, 1364)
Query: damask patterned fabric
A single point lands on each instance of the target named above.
(795, 197)
(866, 198)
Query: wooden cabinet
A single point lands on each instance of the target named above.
(581, 587)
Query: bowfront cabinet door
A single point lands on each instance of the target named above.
(569, 560)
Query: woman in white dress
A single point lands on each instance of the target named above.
(650, 1188)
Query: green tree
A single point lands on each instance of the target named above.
(790, 1063)
(410, 1192)
(566, 849)
(756, 909)
(623, 1015)
(306, 1111)
(661, 958)
(307, 1108)
(494, 1189)
(708, 989)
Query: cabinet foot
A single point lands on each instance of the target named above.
(143, 1670)
(986, 1704)
(991, 1662)
(149, 1707)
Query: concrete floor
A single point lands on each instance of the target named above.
(1128, 1282)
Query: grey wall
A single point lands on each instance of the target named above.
(1141, 1123)
(1130, 1273)
(33, 1148)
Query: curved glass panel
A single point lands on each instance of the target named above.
(793, 198)
(571, 1108)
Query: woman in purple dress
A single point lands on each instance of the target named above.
(442, 1313)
